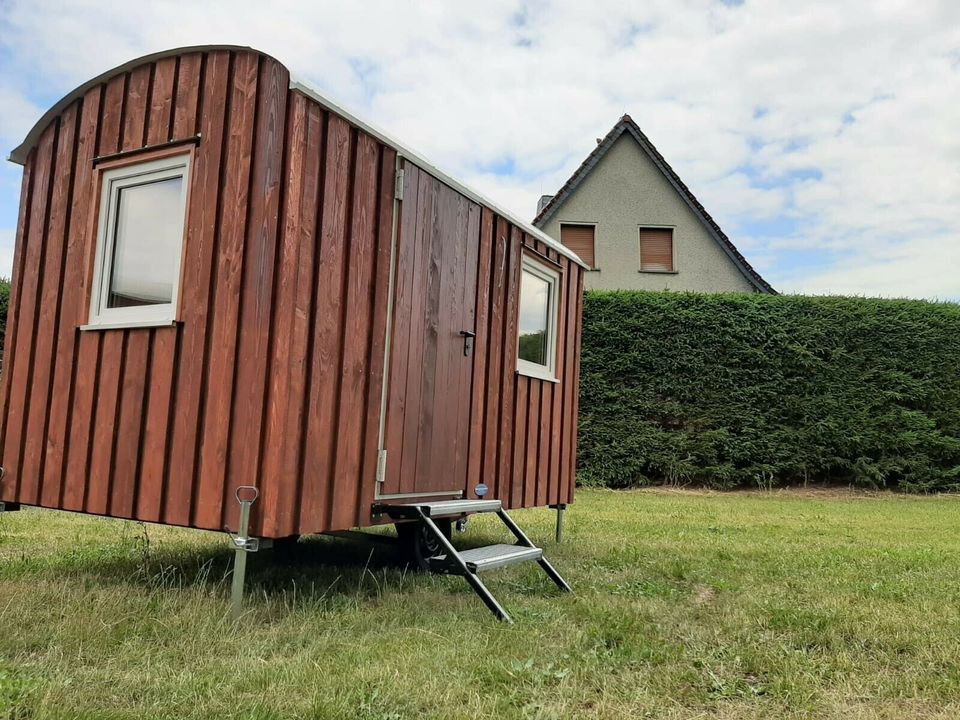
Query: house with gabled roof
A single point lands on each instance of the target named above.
(631, 218)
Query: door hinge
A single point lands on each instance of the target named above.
(382, 463)
(398, 186)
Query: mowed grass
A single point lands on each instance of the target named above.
(687, 605)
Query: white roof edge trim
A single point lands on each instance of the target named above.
(298, 85)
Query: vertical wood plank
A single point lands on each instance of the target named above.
(186, 117)
(21, 372)
(301, 345)
(256, 308)
(327, 342)
(135, 114)
(434, 363)
(224, 313)
(161, 101)
(33, 490)
(158, 424)
(493, 451)
(411, 418)
(105, 422)
(130, 423)
(163, 348)
(356, 340)
(471, 228)
(509, 415)
(72, 403)
(444, 469)
(403, 292)
(103, 432)
(8, 485)
(199, 252)
(517, 465)
(479, 389)
(136, 362)
(388, 161)
(569, 418)
(273, 480)
(532, 449)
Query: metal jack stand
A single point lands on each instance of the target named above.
(559, 508)
(246, 495)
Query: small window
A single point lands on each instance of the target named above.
(580, 238)
(656, 250)
(139, 243)
(537, 343)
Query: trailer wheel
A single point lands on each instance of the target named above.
(419, 544)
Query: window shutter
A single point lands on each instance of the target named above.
(580, 239)
(656, 249)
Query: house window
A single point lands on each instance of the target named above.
(539, 301)
(139, 243)
(656, 250)
(581, 239)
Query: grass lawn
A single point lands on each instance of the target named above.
(687, 605)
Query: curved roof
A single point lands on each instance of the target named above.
(20, 153)
(628, 126)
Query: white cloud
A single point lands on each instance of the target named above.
(745, 102)
(923, 267)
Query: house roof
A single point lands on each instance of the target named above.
(627, 125)
(20, 153)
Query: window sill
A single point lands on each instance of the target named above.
(545, 376)
(128, 324)
(658, 272)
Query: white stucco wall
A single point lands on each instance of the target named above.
(625, 191)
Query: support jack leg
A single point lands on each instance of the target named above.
(242, 545)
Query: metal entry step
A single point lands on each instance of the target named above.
(440, 508)
(470, 563)
(492, 557)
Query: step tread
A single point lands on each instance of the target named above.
(495, 556)
(440, 508)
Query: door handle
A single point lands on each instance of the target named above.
(468, 336)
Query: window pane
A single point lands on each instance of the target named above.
(148, 235)
(534, 314)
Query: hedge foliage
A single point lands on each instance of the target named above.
(755, 390)
(4, 304)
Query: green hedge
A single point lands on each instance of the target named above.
(755, 390)
(4, 304)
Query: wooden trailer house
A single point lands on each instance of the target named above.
(224, 281)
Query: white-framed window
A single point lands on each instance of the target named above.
(140, 232)
(537, 322)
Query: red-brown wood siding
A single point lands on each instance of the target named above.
(428, 413)
(273, 374)
(516, 437)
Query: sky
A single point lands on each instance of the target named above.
(823, 136)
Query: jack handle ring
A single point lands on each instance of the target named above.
(247, 494)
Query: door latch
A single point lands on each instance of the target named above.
(468, 336)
